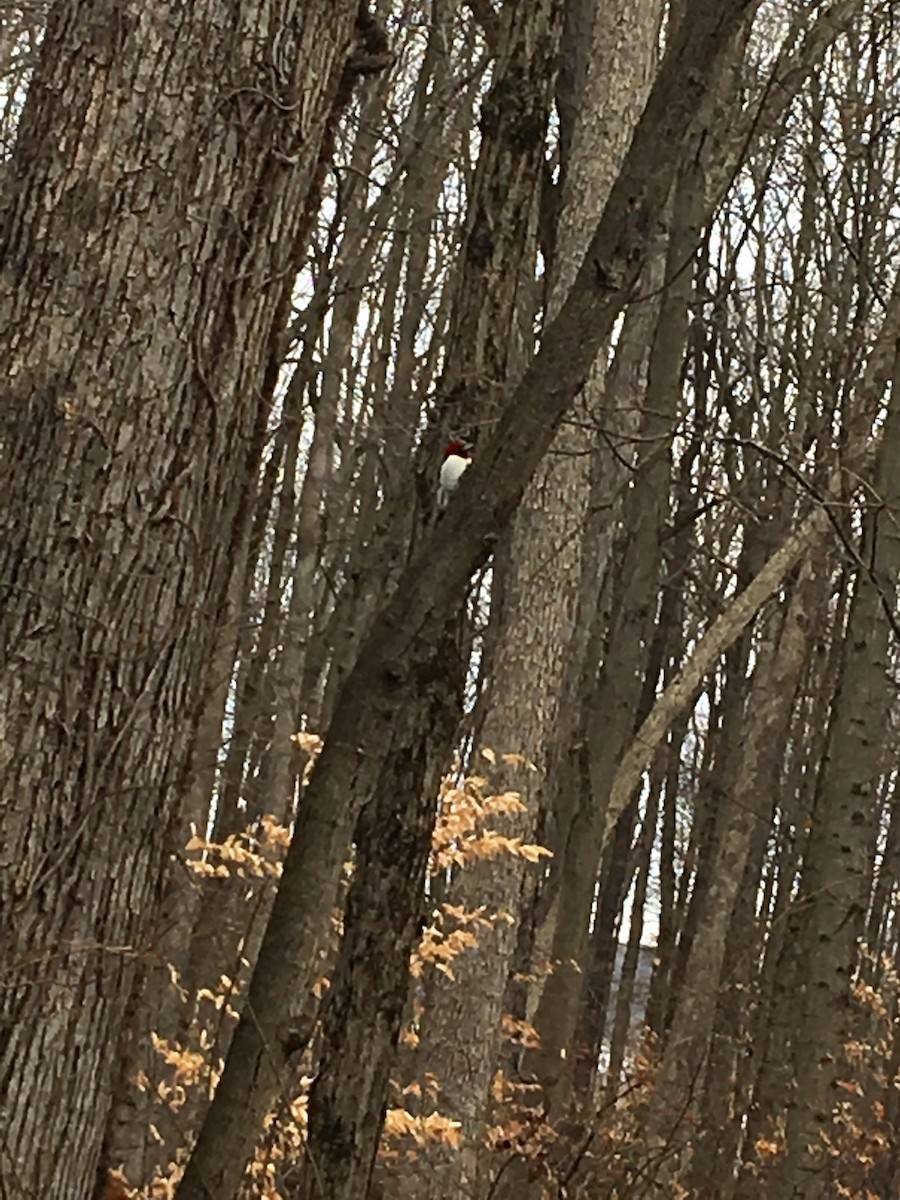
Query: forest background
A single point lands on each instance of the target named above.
(544, 848)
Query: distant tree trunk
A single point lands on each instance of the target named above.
(772, 1025)
(775, 680)
(612, 708)
(165, 163)
(837, 869)
(601, 952)
(618, 1038)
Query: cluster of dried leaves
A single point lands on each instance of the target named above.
(601, 1147)
(464, 833)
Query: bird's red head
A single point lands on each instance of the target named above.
(457, 446)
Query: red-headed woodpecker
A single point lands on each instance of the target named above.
(456, 460)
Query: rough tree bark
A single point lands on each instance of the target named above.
(407, 631)
(163, 168)
(382, 920)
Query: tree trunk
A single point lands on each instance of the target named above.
(837, 870)
(612, 707)
(498, 256)
(771, 698)
(461, 1028)
(157, 1005)
(162, 173)
(382, 921)
(625, 990)
(601, 951)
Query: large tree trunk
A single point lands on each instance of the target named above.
(166, 159)
(405, 635)
(382, 922)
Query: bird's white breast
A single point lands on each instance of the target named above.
(452, 469)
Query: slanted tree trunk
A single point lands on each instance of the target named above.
(165, 161)
(382, 921)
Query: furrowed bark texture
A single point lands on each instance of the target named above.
(159, 184)
(382, 922)
(490, 313)
(433, 586)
